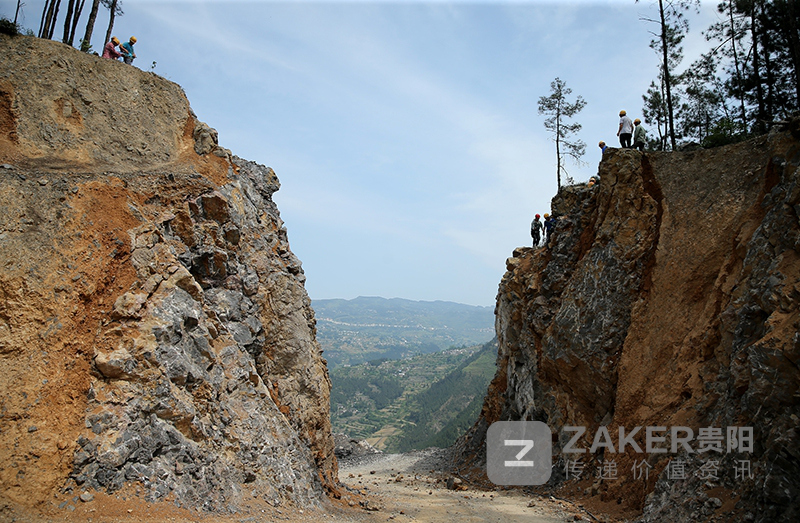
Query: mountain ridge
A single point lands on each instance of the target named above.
(370, 297)
(355, 331)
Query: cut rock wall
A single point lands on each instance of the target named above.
(669, 297)
(155, 332)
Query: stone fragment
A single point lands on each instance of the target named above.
(215, 207)
(129, 305)
(117, 364)
(205, 138)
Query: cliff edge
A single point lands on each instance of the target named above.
(668, 298)
(155, 333)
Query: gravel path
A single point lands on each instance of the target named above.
(412, 487)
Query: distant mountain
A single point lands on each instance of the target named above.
(367, 328)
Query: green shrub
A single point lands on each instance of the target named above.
(7, 27)
(723, 132)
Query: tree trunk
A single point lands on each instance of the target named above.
(86, 43)
(794, 45)
(739, 79)
(75, 18)
(756, 37)
(667, 82)
(113, 10)
(558, 147)
(41, 22)
(68, 20)
(770, 81)
(47, 17)
(57, 4)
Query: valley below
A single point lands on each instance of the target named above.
(399, 380)
(413, 403)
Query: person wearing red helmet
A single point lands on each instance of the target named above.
(536, 231)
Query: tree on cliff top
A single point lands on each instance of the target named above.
(557, 108)
(115, 9)
(673, 27)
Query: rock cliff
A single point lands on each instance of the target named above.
(668, 298)
(155, 332)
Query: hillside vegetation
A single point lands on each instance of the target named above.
(401, 405)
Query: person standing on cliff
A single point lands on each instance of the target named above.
(110, 51)
(548, 228)
(536, 231)
(127, 51)
(638, 135)
(603, 147)
(625, 130)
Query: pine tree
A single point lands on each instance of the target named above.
(704, 103)
(673, 27)
(74, 10)
(655, 114)
(49, 16)
(782, 18)
(731, 32)
(86, 41)
(115, 9)
(557, 108)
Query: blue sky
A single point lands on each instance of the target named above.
(405, 135)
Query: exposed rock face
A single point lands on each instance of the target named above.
(669, 298)
(154, 326)
(348, 449)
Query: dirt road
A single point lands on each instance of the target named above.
(380, 487)
(407, 487)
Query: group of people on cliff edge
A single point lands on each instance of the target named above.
(125, 50)
(537, 228)
(631, 136)
(628, 130)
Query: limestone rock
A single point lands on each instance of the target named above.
(668, 297)
(155, 325)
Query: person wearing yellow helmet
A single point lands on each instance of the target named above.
(548, 227)
(602, 146)
(127, 50)
(110, 51)
(625, 131)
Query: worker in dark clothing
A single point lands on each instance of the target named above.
(549, 221)
(536, 231)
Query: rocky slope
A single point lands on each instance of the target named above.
(669, 297)
(155, 333)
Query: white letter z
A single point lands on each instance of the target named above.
(527, 445)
